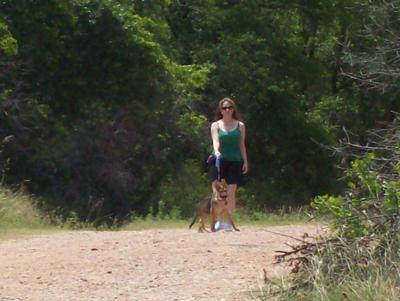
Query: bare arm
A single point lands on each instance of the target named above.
(214, 137)
(243, 150)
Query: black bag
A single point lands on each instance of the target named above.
(211, 160)
(208, 162)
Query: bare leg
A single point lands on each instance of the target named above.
(214, 189)
(214, 219)
(231, 198)
(231, 222)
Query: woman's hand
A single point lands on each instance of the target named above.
(245, 168)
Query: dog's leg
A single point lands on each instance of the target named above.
(204, 218)
(201, 224)
(234, 227)
(203, 229)
(194, 219)
(213, 220)
(230, 219)
(202, 221)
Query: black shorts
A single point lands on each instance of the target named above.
(231, 171)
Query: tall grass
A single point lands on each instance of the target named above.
(17, 210)
(365, 270)
(19, 215)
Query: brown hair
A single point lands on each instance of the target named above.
(235, 115)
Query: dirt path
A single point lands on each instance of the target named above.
(173, 264)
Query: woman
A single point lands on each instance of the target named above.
(228, 137)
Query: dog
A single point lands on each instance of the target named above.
(213, 207)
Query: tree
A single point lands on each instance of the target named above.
(101, 106)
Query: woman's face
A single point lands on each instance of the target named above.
(226, 108)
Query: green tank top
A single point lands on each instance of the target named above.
(229, 144)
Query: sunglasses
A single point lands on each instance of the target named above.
(227, 108)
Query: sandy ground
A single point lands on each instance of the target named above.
(171, 264)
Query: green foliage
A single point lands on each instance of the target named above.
(106, 99)
(329, 110)
(370, 205)
(193, 128)
(8, 45)
(102, 123)
(259, 60)
(181, 192)
(346, 272)
(361, 255)
(359, 260)
(282, 216)
(191, 124)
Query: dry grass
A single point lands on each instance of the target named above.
(334, 269)
(19, 215)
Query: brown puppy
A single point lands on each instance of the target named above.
(219, 205)
(214, 206)
(203, 210)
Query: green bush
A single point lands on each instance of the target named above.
(181, 192)
(371, 204)
(359, 260)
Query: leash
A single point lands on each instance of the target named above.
(217, 165)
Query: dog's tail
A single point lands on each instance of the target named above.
(194, 219)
